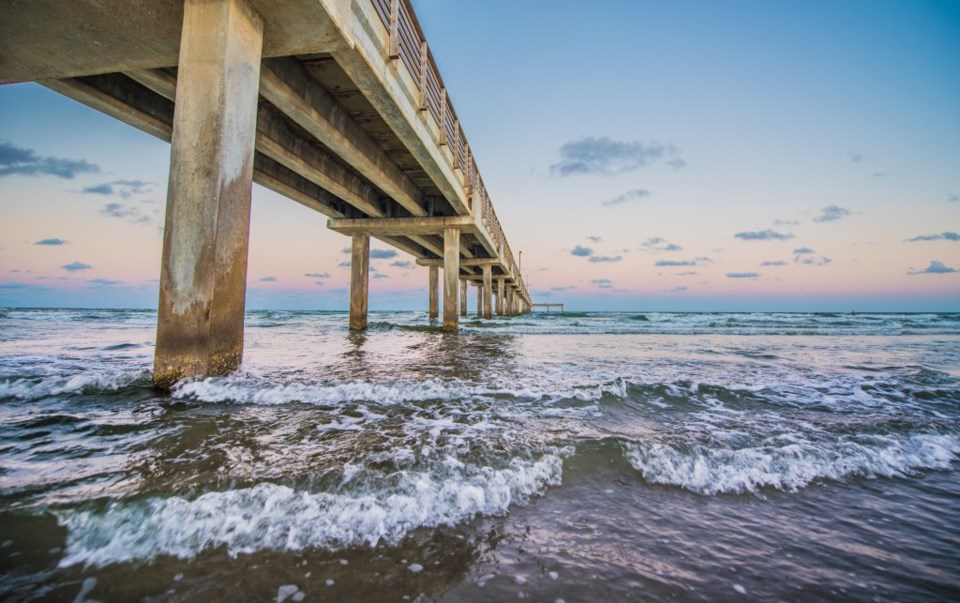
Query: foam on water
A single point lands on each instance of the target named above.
(790, 463)
(269, 516)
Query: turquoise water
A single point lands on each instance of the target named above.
(576, 456)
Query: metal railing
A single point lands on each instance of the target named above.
(406, 43)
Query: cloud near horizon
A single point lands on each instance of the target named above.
(674, 263)
(773, 263)
(659, 245)
(317, 274)
(382, 254)
(51, 242)
(763, 235)
(603, 283)
(935, 267)
(130, 213)
(123, 188)
(630, 195)
(832, 213)
(76, 266)
(604, 155)
(743, 274)
(25, 162)
(943, 236)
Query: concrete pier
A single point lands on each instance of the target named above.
(500, 294)
(487, 292)
(479, 300)
(359, 280)
(433, 286)
(451, 278)
(463, 297)
(203, 275)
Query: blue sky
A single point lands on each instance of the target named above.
(639, 153)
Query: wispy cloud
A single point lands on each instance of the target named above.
(831, 213)
(953, 198)
(809, 260)
(659, 244)
(317, 275)
(379, 275)
(803, 251)
(785, 222)
(855, 157)
(743, 275)
(51, 242)
(76, 266)
(774, 263)
(267, 279)
(943, 236)
(103, 282)
(604, 155)
(25, 162)
(401, 264)
(563, 288)
(130, 213)
(382, 254)
(123, 188)
(675, 290)
(596, 259)
(935, 267)
(581, 251)
(677, 263)
(630, 195)
(343, 265)
(764, 235)
(603, 283)
(687, 273)
(595, 239)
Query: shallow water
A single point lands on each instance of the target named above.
(578, 456)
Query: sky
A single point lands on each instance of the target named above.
(643, 155)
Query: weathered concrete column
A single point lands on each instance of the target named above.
(451, 278)
(488, 292)
(203, 274)
(359, 280)
(479, 300)
(463, 297)
(511, 306)
(501, 283)
(433, 292)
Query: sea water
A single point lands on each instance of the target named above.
(562, 456)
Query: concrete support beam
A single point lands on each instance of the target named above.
(451, 278)
(487, 292)
(463, 297)
(432, 291)
(204, 264)
(501, 283)
(287, 85)
(510, 305)
(479, 299)
(359, 280)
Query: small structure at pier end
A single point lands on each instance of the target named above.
(336, 104)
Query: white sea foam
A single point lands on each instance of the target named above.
(276, 517)
(35, 388)
(790, 465)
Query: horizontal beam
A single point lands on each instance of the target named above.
(468, 263)
(401, 227)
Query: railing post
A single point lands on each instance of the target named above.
(424, 63)
(443, 117)
(394, 51)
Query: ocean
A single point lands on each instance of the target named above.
(547, 457)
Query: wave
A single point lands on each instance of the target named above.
(790, 463)
(84, 383)
(278, 517)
